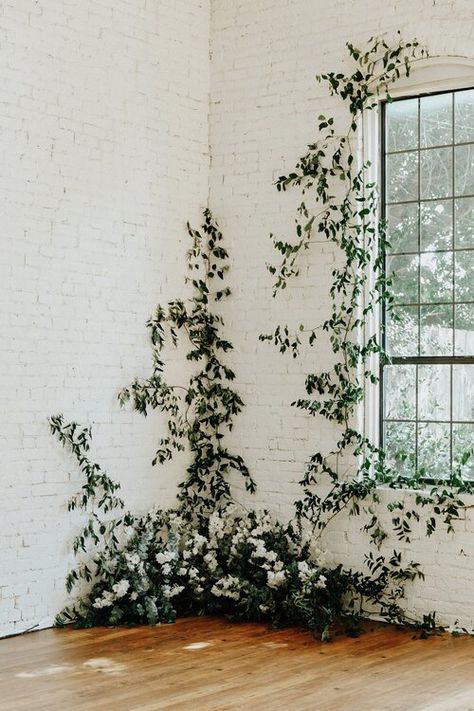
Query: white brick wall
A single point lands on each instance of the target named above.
(104, 155)
(264, 106)
(104, 136)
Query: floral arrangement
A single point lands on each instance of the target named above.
(244, 565)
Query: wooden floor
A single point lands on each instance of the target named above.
(208, 663)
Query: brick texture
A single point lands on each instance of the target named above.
(104, 144)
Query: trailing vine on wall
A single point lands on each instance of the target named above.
(200, 412)
(340, 203)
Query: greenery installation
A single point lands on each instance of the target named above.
(209, 555)
(340, 203)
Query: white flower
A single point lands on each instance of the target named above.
(100, 602)
(120, 589)
(105, 601)
(274, 580)
(133, 596)
(166, 569)
(165, 557)
(321, 582)
(304, 571)
(133, 559)
(211, 561)
(227, 587)
(175, 590)
(128, 533)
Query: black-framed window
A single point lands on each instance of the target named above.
(427, 392)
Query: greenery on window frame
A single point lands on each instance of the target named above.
(340, 203)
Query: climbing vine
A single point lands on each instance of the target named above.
(340, 204)
(200, 412)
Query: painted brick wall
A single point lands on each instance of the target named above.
(264, 108)
(104, 155)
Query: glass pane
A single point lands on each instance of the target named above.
(402, 331)
(400, 392)
(464, 215)
(436, 277)
(464, 174)
(436, 225)
(402, 229)
(464, 273)
(463, 392)
(402, 177)
(436, 120)
(464, 335)
(436, 330)
(400, 446)
(434, 383)
(434, 450)
(436, 174)
(464, 116)
(463, 450)
(402, 125)
(403, 270)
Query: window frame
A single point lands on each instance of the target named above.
(416, 92)
(428, 75)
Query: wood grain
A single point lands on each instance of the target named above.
(210, 664)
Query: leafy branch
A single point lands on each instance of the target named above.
(200, 412)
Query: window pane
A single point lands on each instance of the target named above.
(434, 386)
(428, 412)
(464, 116)
(463, 392)
(463, 450)
(464, 174)
(464, 275)
(402, 177)
(436, 225)
(436, 120)
(403, 270)
(401, 337)
(436, 277)
(400, 392)
(401, 446)
(464, 335)
(434, 450)
(402, 229)
(436, 336)
(402, 125)
(464, 212)
(436, 173)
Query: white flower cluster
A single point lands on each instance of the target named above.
(108, 598)
(164, 558)
(237, 557)
(311, 574)
(274, 580)
(230, 587)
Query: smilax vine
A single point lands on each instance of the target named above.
(340, 204)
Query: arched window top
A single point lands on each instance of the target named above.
(429, 74)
